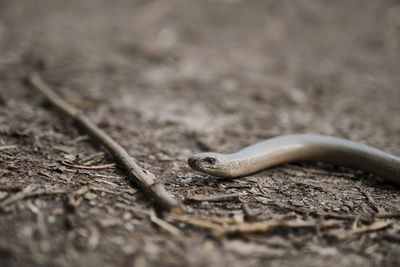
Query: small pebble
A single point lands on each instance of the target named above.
(3, 195)
(90, 196)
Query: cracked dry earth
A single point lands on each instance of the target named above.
(168, 78)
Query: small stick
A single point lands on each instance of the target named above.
(214, 198)
(367, 228)
(98, 167)
(108, 176)
(364, 218)
(13, 188)
(219, 231)
(145, 180)
(94, 237)
(265, 226)
(249, 214)
(106, 182)
(163, 224)
(371, 201)
(204, 223)
(387, 215)
(7, 147)
(30, 191)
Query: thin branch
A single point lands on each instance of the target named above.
(378, 225)
(204, 223)
(265, 226)
(8, 147)
(30, 191)
(219, 231)
(364, 218)
(214, 198)
(98, 167)
(163, 224)
(145, 180)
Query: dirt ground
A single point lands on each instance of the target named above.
(168, 78)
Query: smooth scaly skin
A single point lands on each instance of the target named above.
(299, 147)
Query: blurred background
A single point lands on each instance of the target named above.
(275, 66)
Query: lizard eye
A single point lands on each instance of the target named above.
(209, 160)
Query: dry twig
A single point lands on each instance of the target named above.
(30, 191)
(265, 226)
(98, 167)
(367, 228)
(219, 231)
(8, 147)
(143, 178)
(387, 215)
(371, 201)
(198, 222)
(214, 198)
(364, 218)
(163, 224)
(94, 237)
(106, 182)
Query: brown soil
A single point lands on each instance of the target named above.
(169, 78)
